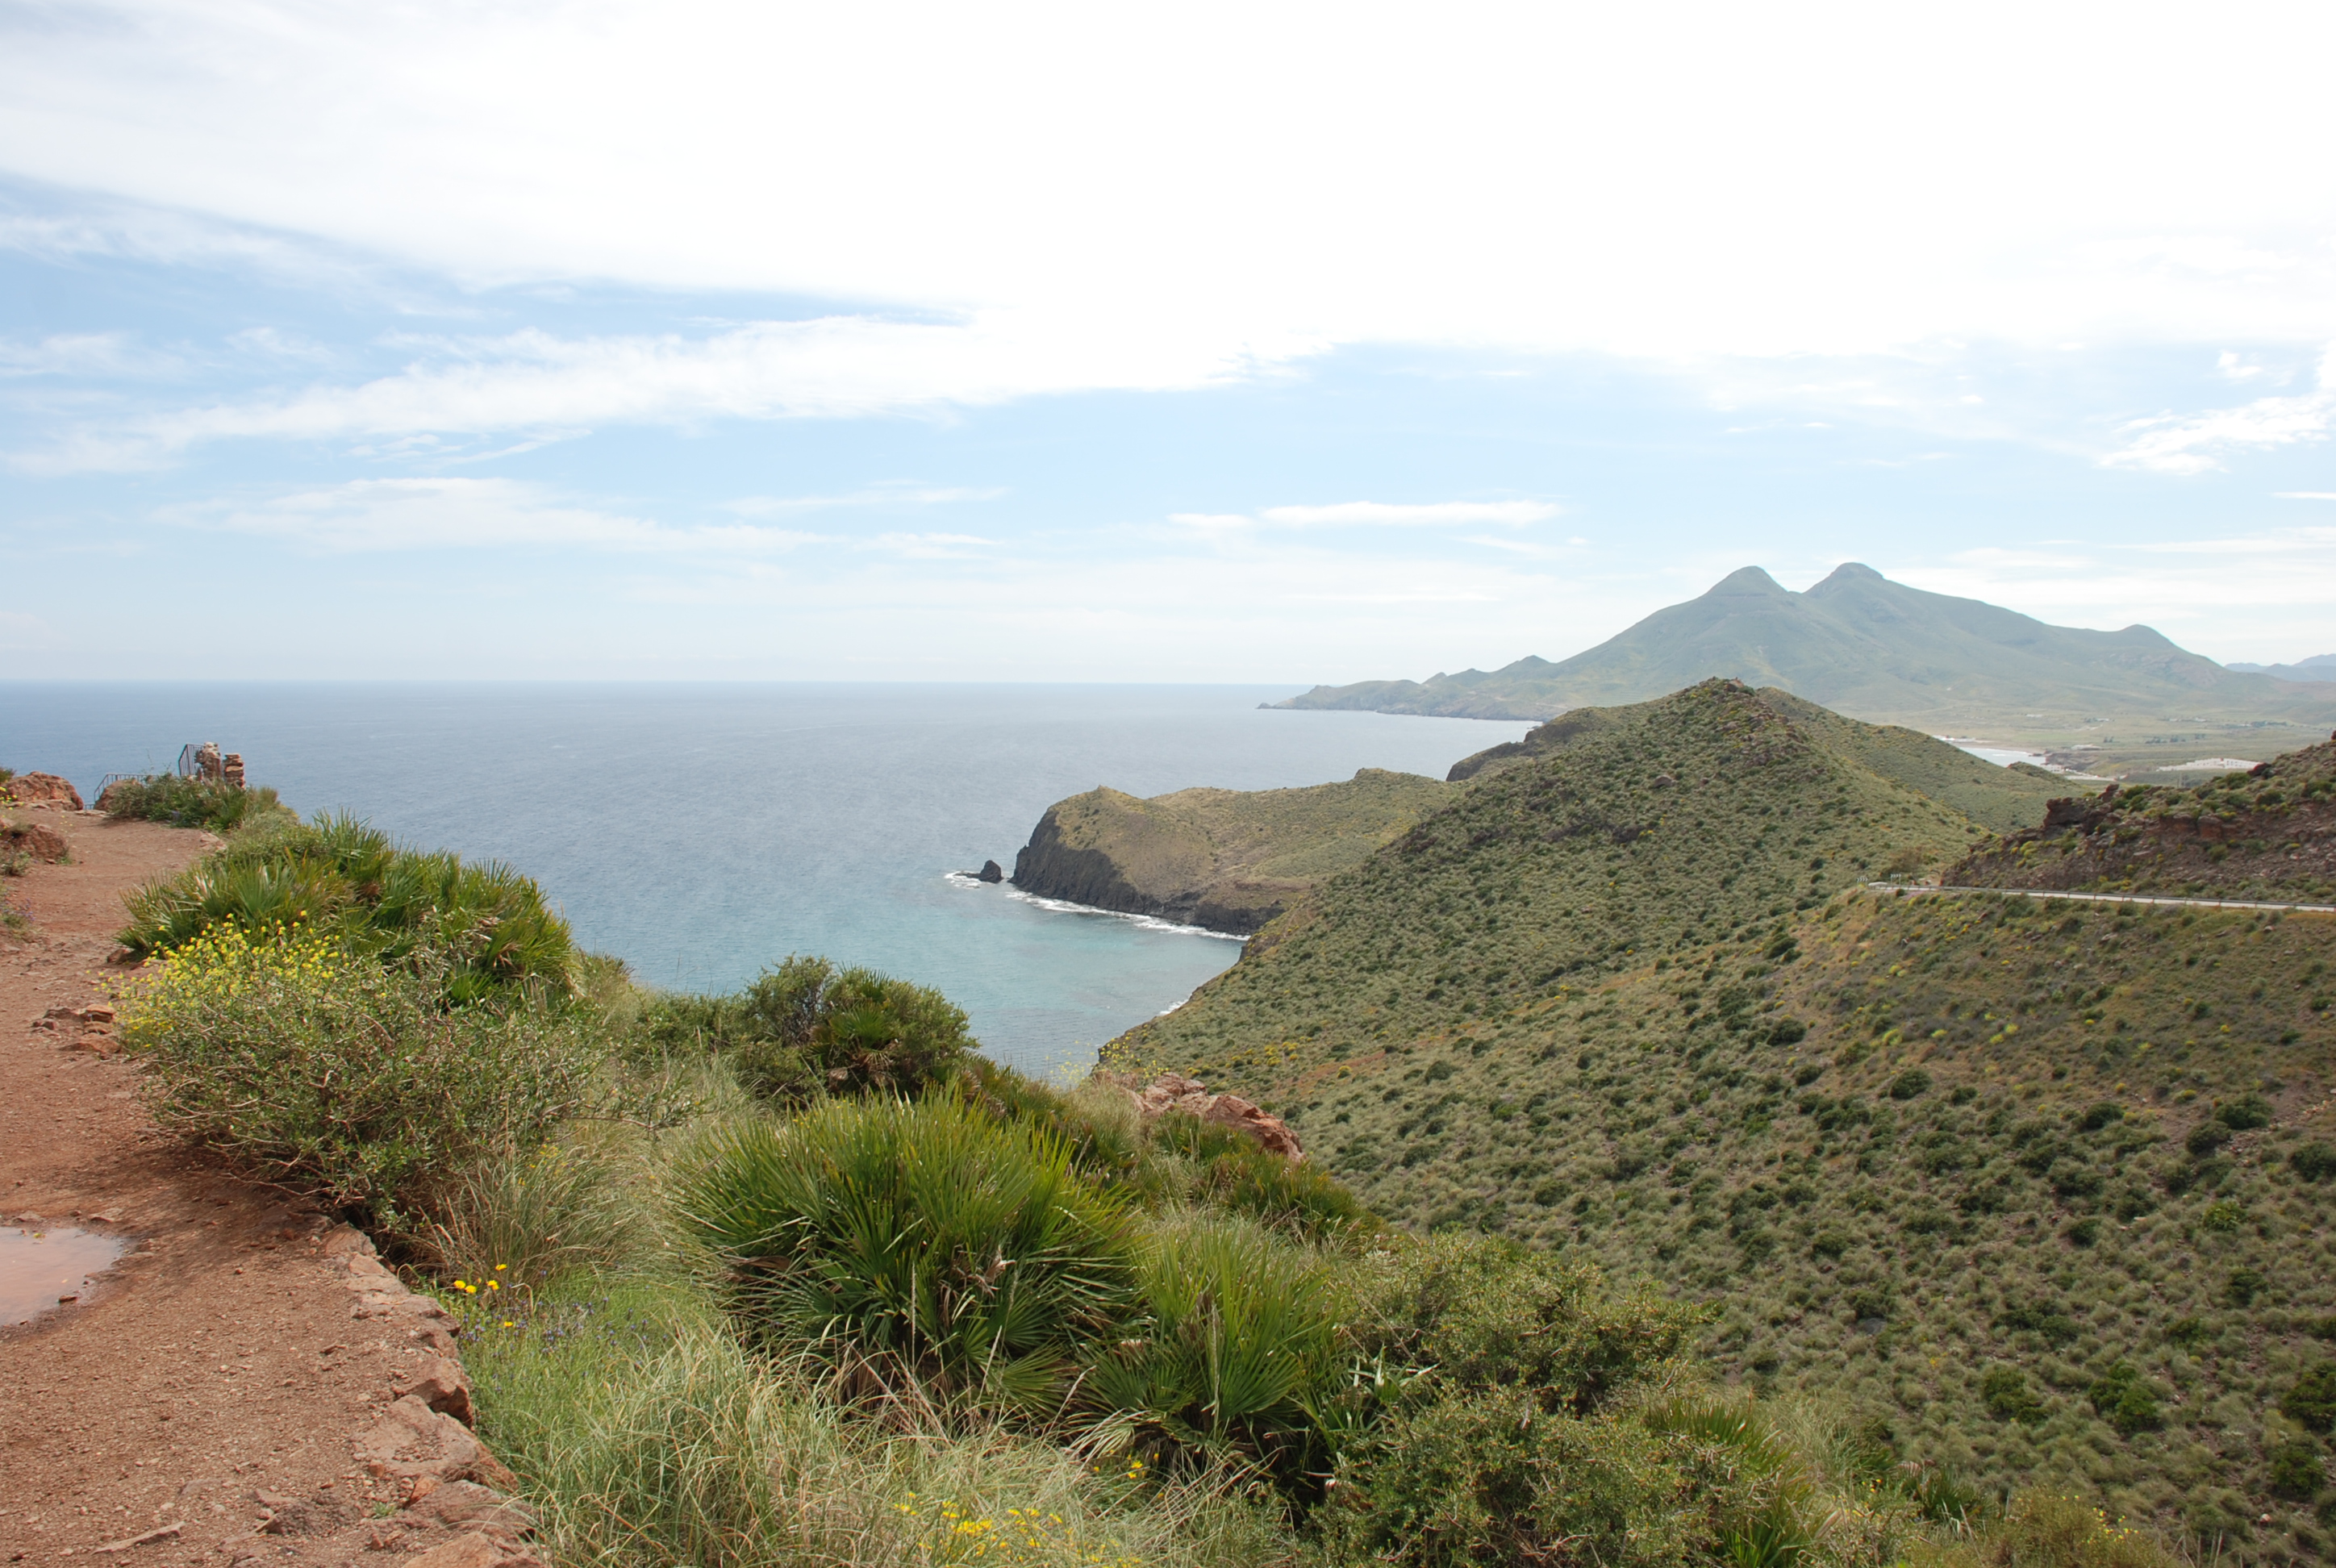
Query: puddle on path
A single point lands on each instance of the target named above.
(40, 1266)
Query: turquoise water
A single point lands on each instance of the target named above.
(701, 832)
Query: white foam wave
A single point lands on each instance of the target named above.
(1142, 923)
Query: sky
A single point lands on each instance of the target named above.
(1206, 343)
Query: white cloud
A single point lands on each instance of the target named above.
(110, 354)
(397, 514)
(877, 495)
(1244, 178)
(535, 381)
(1434, 514)
(1379, 515)
(2195, 443)
(933, 546)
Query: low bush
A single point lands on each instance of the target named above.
(808, 1027)
(1516, 1409)
(1209, 1165)
(481, 928)
(1231, 1361)
(2125, 1400)
(526, 1221)
(643, 1435)
(322, 1071)
(2005, 1392)
(920, 1249)
(2311, 1403)
(2041, 1530)
(186, 803)
(2297, 1469)
(2314, 1162)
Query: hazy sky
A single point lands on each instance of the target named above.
(1193, 343)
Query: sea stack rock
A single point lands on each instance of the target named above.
(991, 871)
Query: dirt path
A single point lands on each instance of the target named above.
(221, 1377)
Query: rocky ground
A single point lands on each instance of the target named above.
(249, 1384)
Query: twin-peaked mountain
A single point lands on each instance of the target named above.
(1876, 650)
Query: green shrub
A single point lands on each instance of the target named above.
(1206, 1163)
(2124, 1400)
(1912, 1083)
(2243, 1285)
(1488, 1314)
(2206, 1138)
(1234, 1356)
(916, 1248)
(2041, 1318)
(2041, 1530)
(319, 1070)
(2244, 1115)
(2314, 1162)
(644, 1436)
(481, 928)
(185, 802)
(2311, 1403)
(1490, 1476)
(807, 1028)
(2296, 1469)
(2008, 1398)
(1489, 1374)
(525, 1222)
(1095, 1120)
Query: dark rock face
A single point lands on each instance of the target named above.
(991, 871)
(1054, 868)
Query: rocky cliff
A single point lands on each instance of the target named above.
(1228, 860)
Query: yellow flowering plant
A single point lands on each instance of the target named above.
(319, 1069)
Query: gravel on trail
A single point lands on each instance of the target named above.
(221, 1394)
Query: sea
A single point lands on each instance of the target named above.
(701, 832)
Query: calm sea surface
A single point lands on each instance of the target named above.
(702, 832)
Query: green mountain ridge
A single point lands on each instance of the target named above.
(2042, 1190)
(1864, 645)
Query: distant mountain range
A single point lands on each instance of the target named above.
(2320, 666)
(1879, 650)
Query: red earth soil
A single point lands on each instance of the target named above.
(220, 1378)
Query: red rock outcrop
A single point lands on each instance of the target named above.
(36, 788)
(38, 840)
(1174, 1092)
